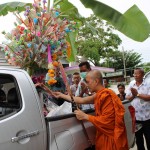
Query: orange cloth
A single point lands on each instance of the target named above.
(109, 121)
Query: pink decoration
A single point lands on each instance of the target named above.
(64, 77)
(49, 54)
(41, 30)
(38, 34)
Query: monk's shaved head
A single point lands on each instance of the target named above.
(95, 74)
(94, 80)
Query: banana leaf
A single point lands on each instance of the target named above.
(13, 6)
(71, 38)
(133, 23)
(69, 10)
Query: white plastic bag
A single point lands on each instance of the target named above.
(65, 108)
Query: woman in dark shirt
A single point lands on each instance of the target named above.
(121, 89)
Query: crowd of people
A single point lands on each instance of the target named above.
(91, 90)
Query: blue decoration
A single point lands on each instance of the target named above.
(53, 46)
(56, 14)
(35, 20)
(38, 14)
(67, 30)
(29, 45)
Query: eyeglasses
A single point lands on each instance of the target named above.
(136, 74)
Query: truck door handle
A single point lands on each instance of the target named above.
(16, 139)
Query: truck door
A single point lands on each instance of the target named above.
(22, 125)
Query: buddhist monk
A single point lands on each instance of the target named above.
(109, 114)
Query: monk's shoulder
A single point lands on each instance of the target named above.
(104, 93)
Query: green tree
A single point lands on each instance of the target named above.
(146, 67)
(97, 44)
(131, 59)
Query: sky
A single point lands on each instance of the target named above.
(143, 48)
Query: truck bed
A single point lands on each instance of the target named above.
(67, 129)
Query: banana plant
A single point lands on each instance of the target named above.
(12, 6)
(133, 23)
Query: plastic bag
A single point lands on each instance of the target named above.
(65, 108)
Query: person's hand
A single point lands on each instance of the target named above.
(57, 94)
(46, 88)
(80, 115)
(134, 92)
(84, 88)
(37, 84)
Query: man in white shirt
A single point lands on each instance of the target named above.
(82, 90)
(139, 93)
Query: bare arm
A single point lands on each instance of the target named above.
(130, 98)
(144, 97)
(78, 100)
(136, 94)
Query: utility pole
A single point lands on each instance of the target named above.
(124, 65)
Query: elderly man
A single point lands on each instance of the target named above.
(109, 119)
(139, 93)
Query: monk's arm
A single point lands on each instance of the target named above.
(78, 100)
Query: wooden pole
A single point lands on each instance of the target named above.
(124, 65)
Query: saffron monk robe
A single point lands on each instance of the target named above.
(109, 114)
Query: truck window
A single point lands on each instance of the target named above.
(9, 96)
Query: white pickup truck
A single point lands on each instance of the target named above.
(24, 127)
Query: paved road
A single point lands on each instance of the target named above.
(134, 148)
(115, 89)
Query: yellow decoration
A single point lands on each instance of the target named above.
(51, 71)
(51, 81)
(55, 64)
(51, 75)
(54, 57)
(68, 49)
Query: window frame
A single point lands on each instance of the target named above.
(18, 96)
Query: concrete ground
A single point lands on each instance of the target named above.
(115, 89)
(135, 147)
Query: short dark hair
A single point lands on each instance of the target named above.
(140, 69)
(121, 84)
(76, 73)
(85, 63)
(106, 79)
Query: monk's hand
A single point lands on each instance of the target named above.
(37, 84)
(46, 89)
(57, 94)
(80, 115)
